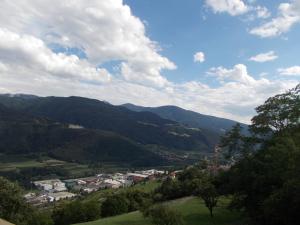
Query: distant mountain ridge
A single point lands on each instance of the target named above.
(188, 117)
(25, 134)
(145, 128)
(88, 130)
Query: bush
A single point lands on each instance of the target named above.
(163, 215)
(40, 218)
(138, 199)
(169, 189)
(76, 212)
(114, 205)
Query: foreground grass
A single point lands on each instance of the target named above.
(193, 210)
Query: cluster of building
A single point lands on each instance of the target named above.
(106, 181)
(55, 189)
(49, 191)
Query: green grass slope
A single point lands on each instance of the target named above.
(193, 210)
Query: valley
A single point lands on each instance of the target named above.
(71, 137)
(149, 112)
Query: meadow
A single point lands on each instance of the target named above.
(192, 209)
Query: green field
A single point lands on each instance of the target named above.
(15, 163)
(28, 163)
(193, 210)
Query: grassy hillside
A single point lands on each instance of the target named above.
(193, 210)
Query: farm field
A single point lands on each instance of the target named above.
(17, 167)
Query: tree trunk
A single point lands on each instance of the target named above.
(211, 212)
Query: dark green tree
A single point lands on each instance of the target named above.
(282, 206)
(76, 212)
(12, 205)
(207, 191)
(278, 113)
(40, 218)
(138, 199)
(232, 143)
(114, 205)
(170, 189)
(265, 184)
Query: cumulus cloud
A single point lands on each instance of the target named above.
(290, 71)
(264, 57)
(235, 98)
(27, 51)
(107, 31)
(199, 57)
(231, 98)
(103, 30)
(233, 7)
(238, 73)
(288, 15)
(238, 8)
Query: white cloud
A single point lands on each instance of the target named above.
(236, 97)
(104, 30)
(239, 7)
(264, 57)
(232, 98)
(288, 15)
(290, 71)
(199, 57)
(233, 7)
(238, 73)
(27, 51)
(262, 12)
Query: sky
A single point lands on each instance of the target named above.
(216, 57)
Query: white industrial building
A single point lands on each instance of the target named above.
(54, 185)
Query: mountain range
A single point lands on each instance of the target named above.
(85, 130)
(188, 118)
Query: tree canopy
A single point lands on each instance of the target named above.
(265, 183)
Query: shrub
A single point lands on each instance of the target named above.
(163, 215)
(114, 205)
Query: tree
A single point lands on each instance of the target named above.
(114, 205)
(137, 199)
(232, 142)
(277, 113)
(266, 183)
(12, 205)
(163, 215)
(170, 189)
(40, 218)
(208, 192)
(282, 206)
(76, 212)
